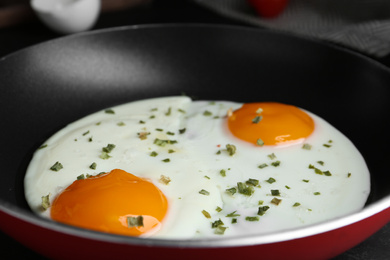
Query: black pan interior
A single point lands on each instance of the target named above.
(45, 87)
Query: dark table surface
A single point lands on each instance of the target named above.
(18, 37)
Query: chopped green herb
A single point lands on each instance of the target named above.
(104, 156)
(159, 129)
(86, 133)
(220, 230)
(56, 167)
(271, 180)
(218, 209)
(109, 111)
(153, 154)
(181, 110)
(245, 189)
(141, 122)
(168, 113)
(305, 180)
(272, 156)
(120, 124)
(255, 218)
(171, 151)
(287, 187)
(42, 146)
(317, 193)
(261, 202)
(217, 223)
(170, 133)
(45, 202)
(327, 173)
(207, 113)
(182, 131)
(259, 110)
(296, 204)
(231, 191)
(233, 214)
(306, 146)
(108, 148)
(257, 119)
(152, 116)
(81, 177)
(206, 214)
(259, 142)
(93, 166)
(90, 139)
(263, 165)
(252, 182)
(234, 221)
(207, 177)
(222, 172)
(231, 149)
(154, 109)
(262, 210)
(161, 142)
(349, 174)
(166, 160)
(327, 145)
(275, 192)
(275, 164)
(321, 163)
(135, 221)
(276, 201)
(204, 192)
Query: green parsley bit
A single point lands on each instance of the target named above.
(321, 163)
(171, 151)
(159, 129)
(232, 214)
(217, 223)
(305, 180)
(181, 110)
(153, 154)
(204, 192)
(306, 146)
(261, 202)
(296, 204)
(275, 164)
(84, 134)
(121, 124)
(207, 113)
(245, 189)
(317, 193)
(164, 179)
(206, 214)
(42, 146)
(276, 201)
(168, 113)
(271, 180)
(141, 122)
(45, 202)
(234, 221)
(263, 165)
(104, 156)
(252, 182)
(56, 167)
(255, 218)
(218, 209)
(327, 173)
(262, 210)
(152, 116)
(166, 160)
(135, 221)
(109, 111)
(231, 149)
(108, 148)
(182, 131)
(327, 145)
(162, 143)
(259, 142)
(81, 177)
(231, 191)
(349, 175)
(287, 187)
(275, 192)
(93, 166)
(170, 133)
(220, 230)
(257, 119)
(222, 172)
(272, 156)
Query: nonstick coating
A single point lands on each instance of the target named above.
(47, 86)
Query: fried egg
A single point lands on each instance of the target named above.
(175, 168)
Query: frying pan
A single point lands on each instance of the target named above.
(49, 85)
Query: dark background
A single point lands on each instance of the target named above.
(29, 31)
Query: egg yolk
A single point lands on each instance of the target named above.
(270, 123)
(111, 202)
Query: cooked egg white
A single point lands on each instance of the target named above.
(321, 177)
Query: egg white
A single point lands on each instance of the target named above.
(196, 163)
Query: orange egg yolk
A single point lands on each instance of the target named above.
(111, 202)
(270, 123)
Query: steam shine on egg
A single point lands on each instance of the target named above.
(176, 168)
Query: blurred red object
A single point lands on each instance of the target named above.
(268, 8)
